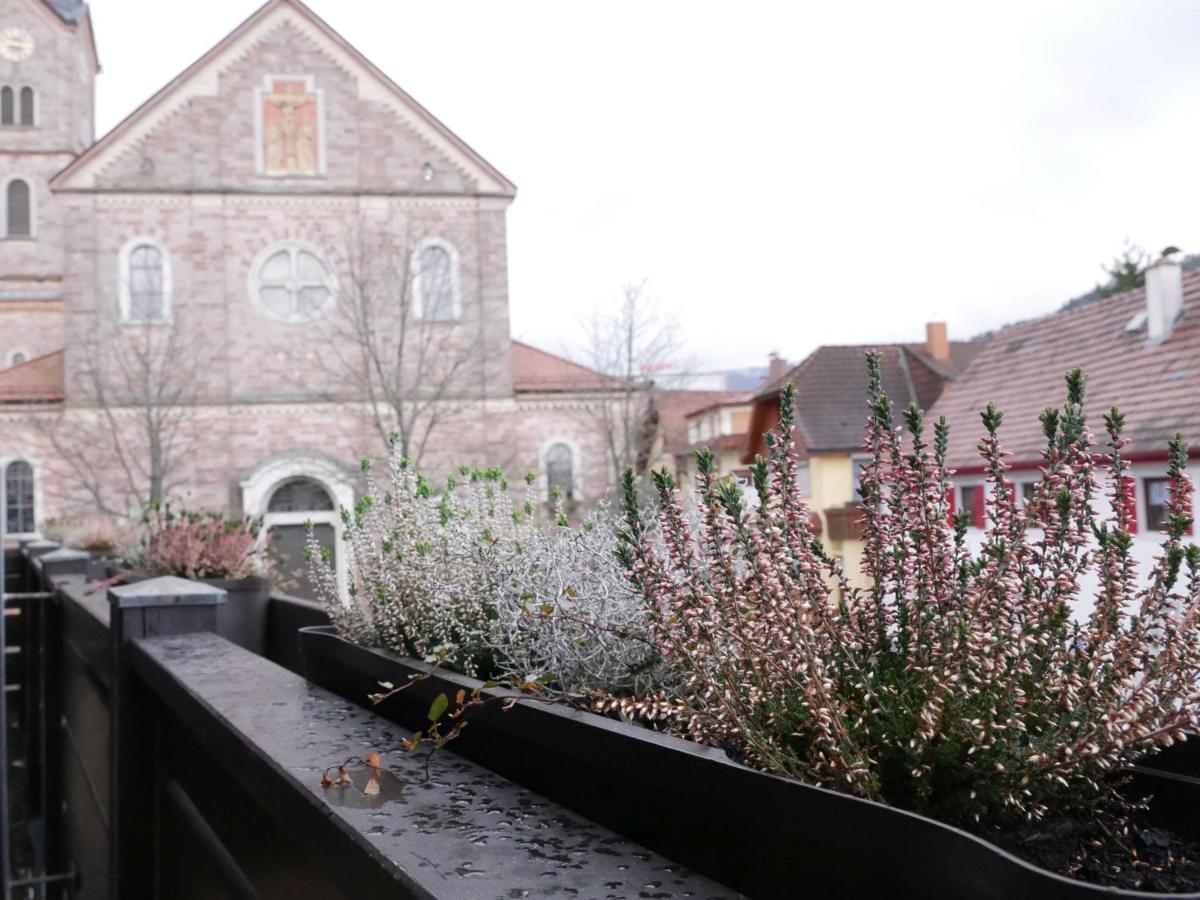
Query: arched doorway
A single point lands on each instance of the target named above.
(293, 505)
(288, 491)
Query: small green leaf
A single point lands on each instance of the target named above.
(439, 705)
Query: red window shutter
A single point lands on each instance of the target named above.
(980, 500)
(1012, 491)
(1129, 493)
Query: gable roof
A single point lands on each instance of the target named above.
(1022, 368)
(537, 370)
(198, 79)
(37, 380)
(831, 387)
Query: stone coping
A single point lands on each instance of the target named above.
(465, 833)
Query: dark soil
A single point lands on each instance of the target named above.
(1124, 852)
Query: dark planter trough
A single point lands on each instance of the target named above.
(242, 619)
(763, 835)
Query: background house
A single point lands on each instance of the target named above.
(831, 413)
(1140, 351)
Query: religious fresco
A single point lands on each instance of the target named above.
(290, 128)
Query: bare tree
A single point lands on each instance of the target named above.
(629, 345)
(122, 440)
(401, 341)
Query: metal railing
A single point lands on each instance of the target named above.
(31, 859)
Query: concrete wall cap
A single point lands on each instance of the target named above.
(169, 590)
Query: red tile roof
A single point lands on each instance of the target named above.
(537, 370)
(1021, 370)
(38, 380)
(831, 387)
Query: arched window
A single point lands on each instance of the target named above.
(144, 282)
(435, 282)
(18, 498)
(18, 209)
(6, 106)
(26, 106)
(293, 282)
(293, 505)
(17, 358)
(559, 462)
(300, 495)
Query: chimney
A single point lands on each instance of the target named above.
(1164, 295)
(777, 367)
(937, 344)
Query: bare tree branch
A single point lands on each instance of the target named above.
(627, 345)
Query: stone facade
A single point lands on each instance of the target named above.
(282, 136)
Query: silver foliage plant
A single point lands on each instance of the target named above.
(567, 615)
(477, 578)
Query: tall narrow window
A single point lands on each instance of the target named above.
(26, 106)
(19, 215)
(18, 504)
(560, 471)
(7, 105)
(146, 284)
(1158, 495)
(435, 284)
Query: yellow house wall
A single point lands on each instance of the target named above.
(831, 474)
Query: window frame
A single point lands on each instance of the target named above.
(418, 295)
(19, 107)
(1144, 483)
(577, 495)
(125, 295)
(4, 211)
(9, 93)
(978, 506)
(293, 247)
(5, 463)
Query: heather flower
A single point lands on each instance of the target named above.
(955, 683)
(199, 545)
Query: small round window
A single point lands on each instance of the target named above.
(293, 282)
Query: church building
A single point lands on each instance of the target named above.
(275, 265)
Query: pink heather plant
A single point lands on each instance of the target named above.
(200, 545)
(956, 684)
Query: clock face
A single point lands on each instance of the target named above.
(16, 44)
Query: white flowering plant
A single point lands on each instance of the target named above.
(475, 577)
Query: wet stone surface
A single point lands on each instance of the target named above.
(463, 833)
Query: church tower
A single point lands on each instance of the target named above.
(48, 67)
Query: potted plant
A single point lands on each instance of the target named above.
(909, 738)
(225, 552)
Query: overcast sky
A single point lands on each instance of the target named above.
(782, 174)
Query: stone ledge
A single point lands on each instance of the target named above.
(465, 833)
